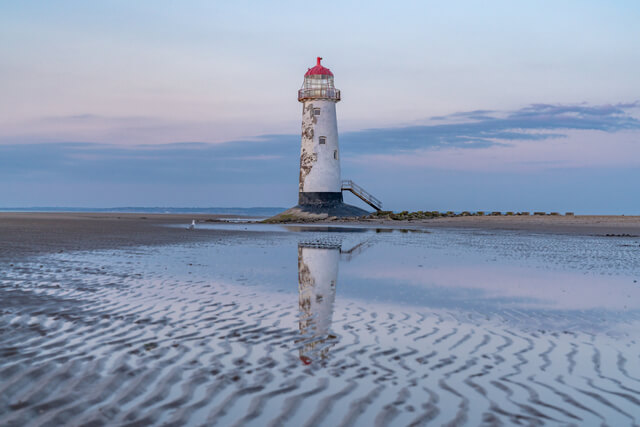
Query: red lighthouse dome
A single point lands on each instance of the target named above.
(318, 70)
(318, 84)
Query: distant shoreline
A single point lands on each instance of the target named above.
(253, 211)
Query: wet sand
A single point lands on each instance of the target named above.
(26, 234)
(581, 224)
(34, 233)
(136, 323)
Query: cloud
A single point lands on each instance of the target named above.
(534, 138)
(485, 128)
(270, 155)
(183, 162)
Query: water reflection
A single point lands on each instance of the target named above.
(317, 280)
(318, 262)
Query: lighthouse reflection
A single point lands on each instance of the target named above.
(318, 263)
(317, 280)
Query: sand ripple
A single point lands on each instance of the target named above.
(89, 345)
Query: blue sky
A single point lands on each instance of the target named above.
(495, 105)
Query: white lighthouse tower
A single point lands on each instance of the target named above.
(320, 182)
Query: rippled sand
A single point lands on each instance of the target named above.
(324, 328)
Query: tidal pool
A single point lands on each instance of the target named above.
(306, 325)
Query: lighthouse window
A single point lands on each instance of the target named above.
(322, 140)
(316, 111)
(335, 154)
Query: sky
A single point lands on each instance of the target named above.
(496, 105)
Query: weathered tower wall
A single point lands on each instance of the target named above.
(320, 180)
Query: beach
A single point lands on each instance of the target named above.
(25, 233)
(127, 319)
(215, 214)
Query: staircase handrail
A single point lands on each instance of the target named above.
(362, 193)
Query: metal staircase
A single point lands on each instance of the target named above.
(348, 254)
(349, 185)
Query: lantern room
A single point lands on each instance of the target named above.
(318, 84)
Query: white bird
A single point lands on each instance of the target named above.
(193, 224)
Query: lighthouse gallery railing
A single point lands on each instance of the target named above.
(319, 93)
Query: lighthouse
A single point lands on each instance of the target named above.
(320, 183)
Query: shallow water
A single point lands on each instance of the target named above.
(325, 326)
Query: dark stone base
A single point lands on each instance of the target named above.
(326, 199)
(318, 212)
(330, 208)
(313, 207)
